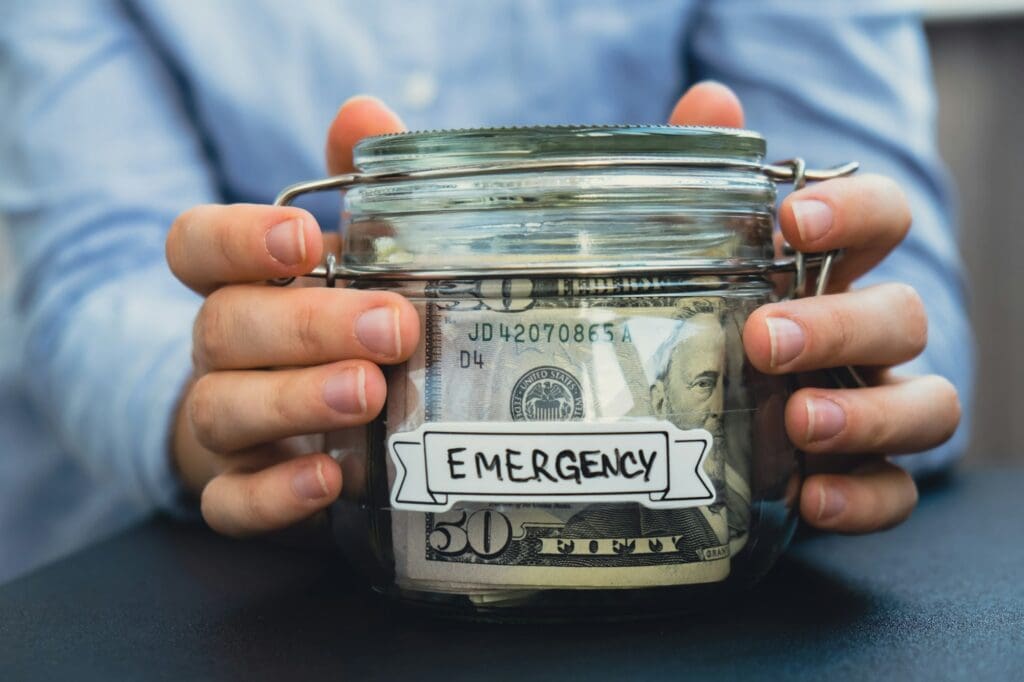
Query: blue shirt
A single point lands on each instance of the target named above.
(117, 116)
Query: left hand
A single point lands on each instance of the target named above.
(877, 327)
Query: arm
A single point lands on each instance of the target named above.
(98, 157)
(835, 81)
(103, 162)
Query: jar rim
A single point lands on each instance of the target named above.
(434, 149)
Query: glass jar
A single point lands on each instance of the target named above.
(579, 433)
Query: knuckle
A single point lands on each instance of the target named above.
(202, 413)
(912, 314)
(208, 504)
(257, 511)
(210, 341)
(224, 244)
(887, 495)
(175, 247)
(875, 504)
(306, 327)
(878, 200)
(286, 405)
(914, 495)
(948, 399)
(840, 336)
(895, 202)
(872, 426)
(904, 492)
(876, 183)
(904, 217)
(955, 408)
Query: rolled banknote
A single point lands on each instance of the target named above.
(568, 385)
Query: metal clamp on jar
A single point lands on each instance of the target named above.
(579, 432)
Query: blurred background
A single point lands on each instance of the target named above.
(978, 58)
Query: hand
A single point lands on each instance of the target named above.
(240, 435)
(876, 327)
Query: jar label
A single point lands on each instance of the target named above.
(653, 463)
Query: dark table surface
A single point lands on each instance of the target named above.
(939, 597)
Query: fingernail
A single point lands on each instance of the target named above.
(813, 218)
(309, 483)
(378, 331)
(286, 242)
(786, 338)
(825, 419)
(346, 391)
(831, 503)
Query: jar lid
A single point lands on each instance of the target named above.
(436, 149)
(561, 200)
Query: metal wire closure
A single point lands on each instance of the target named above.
(785, 171)
(793, 170)
(842, 376)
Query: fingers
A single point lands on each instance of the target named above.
(241, 503)
(881, 325)
(905, 416)
(873, 497)
(302, 326)
(867, 215)
(359, 117)
(708, 104)
(230, 411)
(209, 246)
(252, 326)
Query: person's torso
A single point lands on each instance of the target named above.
(263, 80)
(264, 83)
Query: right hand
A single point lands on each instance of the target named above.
(239, 432)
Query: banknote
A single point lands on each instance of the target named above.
(550, 352)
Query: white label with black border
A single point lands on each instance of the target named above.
(650, 462)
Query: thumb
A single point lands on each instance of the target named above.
(708, 103)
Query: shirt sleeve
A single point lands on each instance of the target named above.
(99, 156)
(834, 81)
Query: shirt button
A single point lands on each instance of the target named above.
(419, 90)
